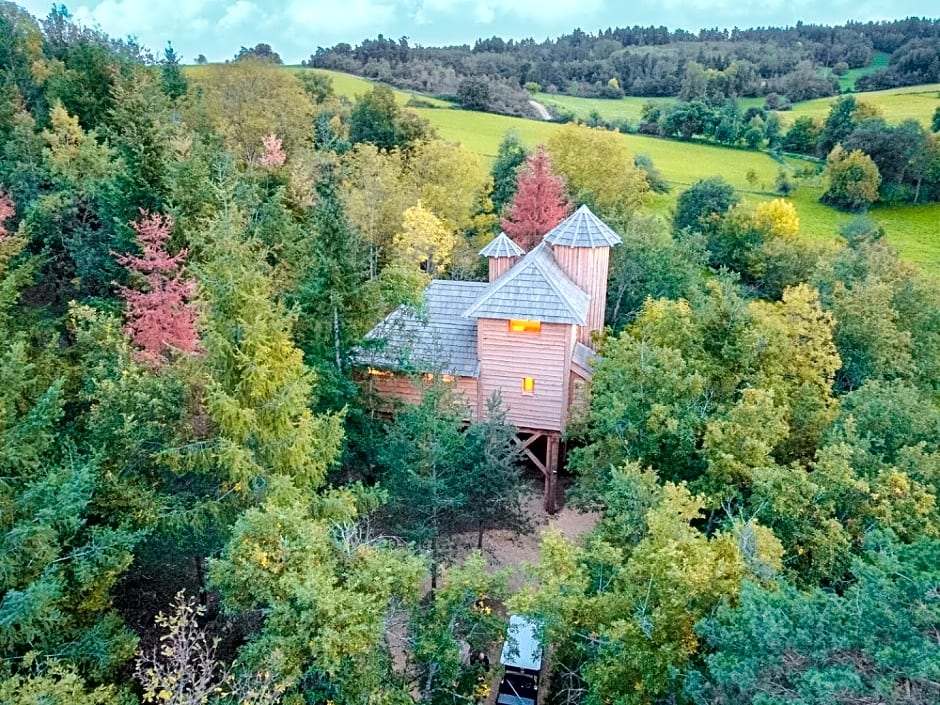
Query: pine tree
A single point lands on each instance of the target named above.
(173, 81)
(540, 202)
(160, 319)
(331, 297)
(494, 485)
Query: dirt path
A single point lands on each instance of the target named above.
(507, 549)
(540, 109)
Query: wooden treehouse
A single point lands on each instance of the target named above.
(526, 333)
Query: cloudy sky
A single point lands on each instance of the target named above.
(295, 28)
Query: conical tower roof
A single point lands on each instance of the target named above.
(582, 229)
(502, 246)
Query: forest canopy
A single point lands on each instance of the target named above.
(799, 62)
(201, 503)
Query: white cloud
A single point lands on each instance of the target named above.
(537, 12)
(138, 17)
(484, 13)
(239, 14)
(338, 17)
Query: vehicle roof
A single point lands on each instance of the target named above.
(522, 648)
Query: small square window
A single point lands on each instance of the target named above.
(521, 326)
(528, 385)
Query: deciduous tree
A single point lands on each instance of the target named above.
(702, 205)
(249, 99)
(424, 241)
(326, 587)
(599, 170)
(852, 180)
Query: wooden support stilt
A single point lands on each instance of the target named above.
(551, 474)
(524, 445)
(547, 465)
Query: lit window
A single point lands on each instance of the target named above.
(430, 377)
(520, 326)
(528, 385)
(379, 373)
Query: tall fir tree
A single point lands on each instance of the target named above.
(510, 156)
(540, 202)
(332, 300)
(259, 392)
(160, 319)
(173, 82)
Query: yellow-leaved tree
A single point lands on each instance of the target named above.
(777, 218)
(621, 610)
(249, 99)
(375, 199)
(447, 179)
(424, 240)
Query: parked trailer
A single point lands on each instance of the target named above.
(521, 658)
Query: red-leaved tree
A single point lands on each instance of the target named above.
(160, 318)
(540, 202)
(274, 155)
(6, 212)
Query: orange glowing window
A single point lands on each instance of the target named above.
(520, 326)
(430, 377)
(379, 373)
(528, 385)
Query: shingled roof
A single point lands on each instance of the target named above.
(582, 229)
(436, 338)
(535, 289)
(502, 246)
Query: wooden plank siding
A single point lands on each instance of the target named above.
(587, 267)
(498, 266)
(409, 389)
(507, 357)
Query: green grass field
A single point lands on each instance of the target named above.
(896, 104)
(352, 86)
(913, 230)
(879, 60)
(628, 108)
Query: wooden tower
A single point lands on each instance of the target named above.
(502, 253)
(581, 244)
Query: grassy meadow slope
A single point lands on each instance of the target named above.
(879, 60)
(914, 230)
(628, 108)
(896, 104)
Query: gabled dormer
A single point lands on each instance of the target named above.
(527, 329)
(535, 288)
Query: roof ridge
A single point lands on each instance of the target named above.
(509, 275)
(554, 285)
